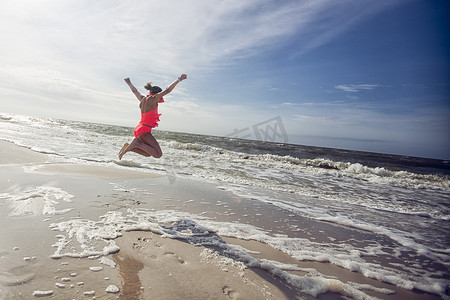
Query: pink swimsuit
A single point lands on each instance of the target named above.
(148, 121)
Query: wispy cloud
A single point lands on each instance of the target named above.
(356, 87)
(79, 50)
(164, 37)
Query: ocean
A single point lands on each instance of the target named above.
(404, 201)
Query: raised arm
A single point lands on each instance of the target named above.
(170, 87)
(134, 89)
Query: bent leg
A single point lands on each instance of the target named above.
(132, 147)
(150, 141)
(146, 145)
(141, 152)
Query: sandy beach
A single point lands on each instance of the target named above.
(149, 247)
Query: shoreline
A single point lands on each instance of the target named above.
(165, 265)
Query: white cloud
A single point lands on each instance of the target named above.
(161, 37)
(76, 52)
(356, 87)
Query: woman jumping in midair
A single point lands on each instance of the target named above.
(144, 142)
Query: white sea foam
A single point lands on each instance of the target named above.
(410, 208)
(381, 175)
(308, 208)
(96, 269)
(89, 293)
(106, 261)
(112, 289)
(60, 285)
(372, 288)
(88, 234)
(351, 183)
(42, 293)
(205, 162)
(288, 267)
(36, 201)
(199, 230)
(219, 159)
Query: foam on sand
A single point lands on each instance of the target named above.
(42, 293)
(176, 246)
(41, 200)
(112, 289)
(202, 231)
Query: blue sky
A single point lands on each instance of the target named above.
(353, 74)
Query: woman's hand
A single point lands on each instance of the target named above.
(127, 80)
(182, 77)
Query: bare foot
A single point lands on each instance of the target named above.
(123, 150)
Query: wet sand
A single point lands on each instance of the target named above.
(148, 265)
